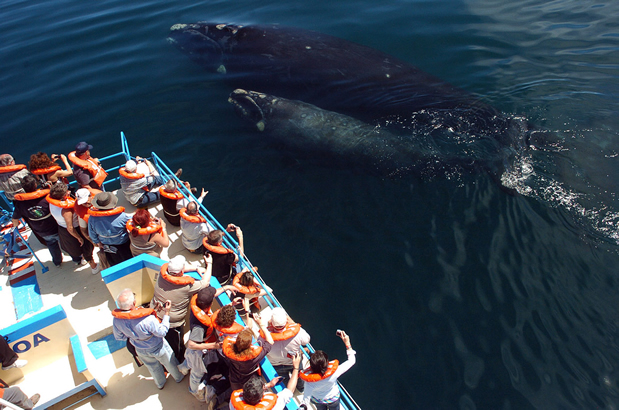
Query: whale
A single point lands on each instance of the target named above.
(332, 136)
(340, 76)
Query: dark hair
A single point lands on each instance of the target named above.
(192, 208)
(247, 278)
(141, 219)
(205, 298)
(319, 361)
(58, 190)
(29, 183)
(215, 237)
(40, 160)
(226, 316)
(253, 389)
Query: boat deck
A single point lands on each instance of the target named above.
(88, 303)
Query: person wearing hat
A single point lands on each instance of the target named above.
(87, 170)
(72, 241)
(288, 338)
(174, 286)
(138, 180)
(107, 227)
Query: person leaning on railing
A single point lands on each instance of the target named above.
(321, 388)
(11, 176)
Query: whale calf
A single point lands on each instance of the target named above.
(338, 75)
(331, 135)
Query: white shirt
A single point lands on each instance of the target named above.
(327, 388)
(278, 354)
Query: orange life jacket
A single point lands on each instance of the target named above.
(234, 329)
(170, 195)
(39, 193)
(176, 280)
(204, 318)
(247, 290)
(133, 314)
(11, 168)
(191, 218)
(290, 331)
(269, 400)
(130, 175)
(228, 351)
(66, 203)
(108, 212)
(153, 227)
(45, 171)
(215, 248)
(96, 170)
(308, 376)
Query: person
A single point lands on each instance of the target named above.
(16, 396)
(248, 288)
(320, 378)
(72, 240)
(83, 199)
(202, 345)
(107, 227)
(34, 208)
(47, 170)
(169, 196)
(255, 391)
(223, 258)
(172, 285)
(11, 176)
(147, 234)
(243, 356)
(224, 322)
(138, 180)
(8, 357)
(288, 337)
(141, 327)
(87, 170)
(194, 227)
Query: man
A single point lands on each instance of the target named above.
(72, 241)
(34, 208)
(8, 357)
(170, 196)
(194, 227)
(138, 179)
(11, 176)
(147, 335)
(87, 170)
(172, 285)
(288, 338)
(223, 258)
(17, 397)
(107, 227)
(253, 391)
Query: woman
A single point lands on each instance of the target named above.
(247, 287)
(71, 239)
(245, 356)
(321, 377)
(47, 170)
(147, 234)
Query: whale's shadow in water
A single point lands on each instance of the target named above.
(349, 102)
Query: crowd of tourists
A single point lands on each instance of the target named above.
(221, 356)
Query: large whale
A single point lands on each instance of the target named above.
(339, 75)
(328, 135)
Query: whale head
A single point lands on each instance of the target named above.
(251, 106)
(203, 42)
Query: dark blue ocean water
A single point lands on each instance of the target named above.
(455, 293)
